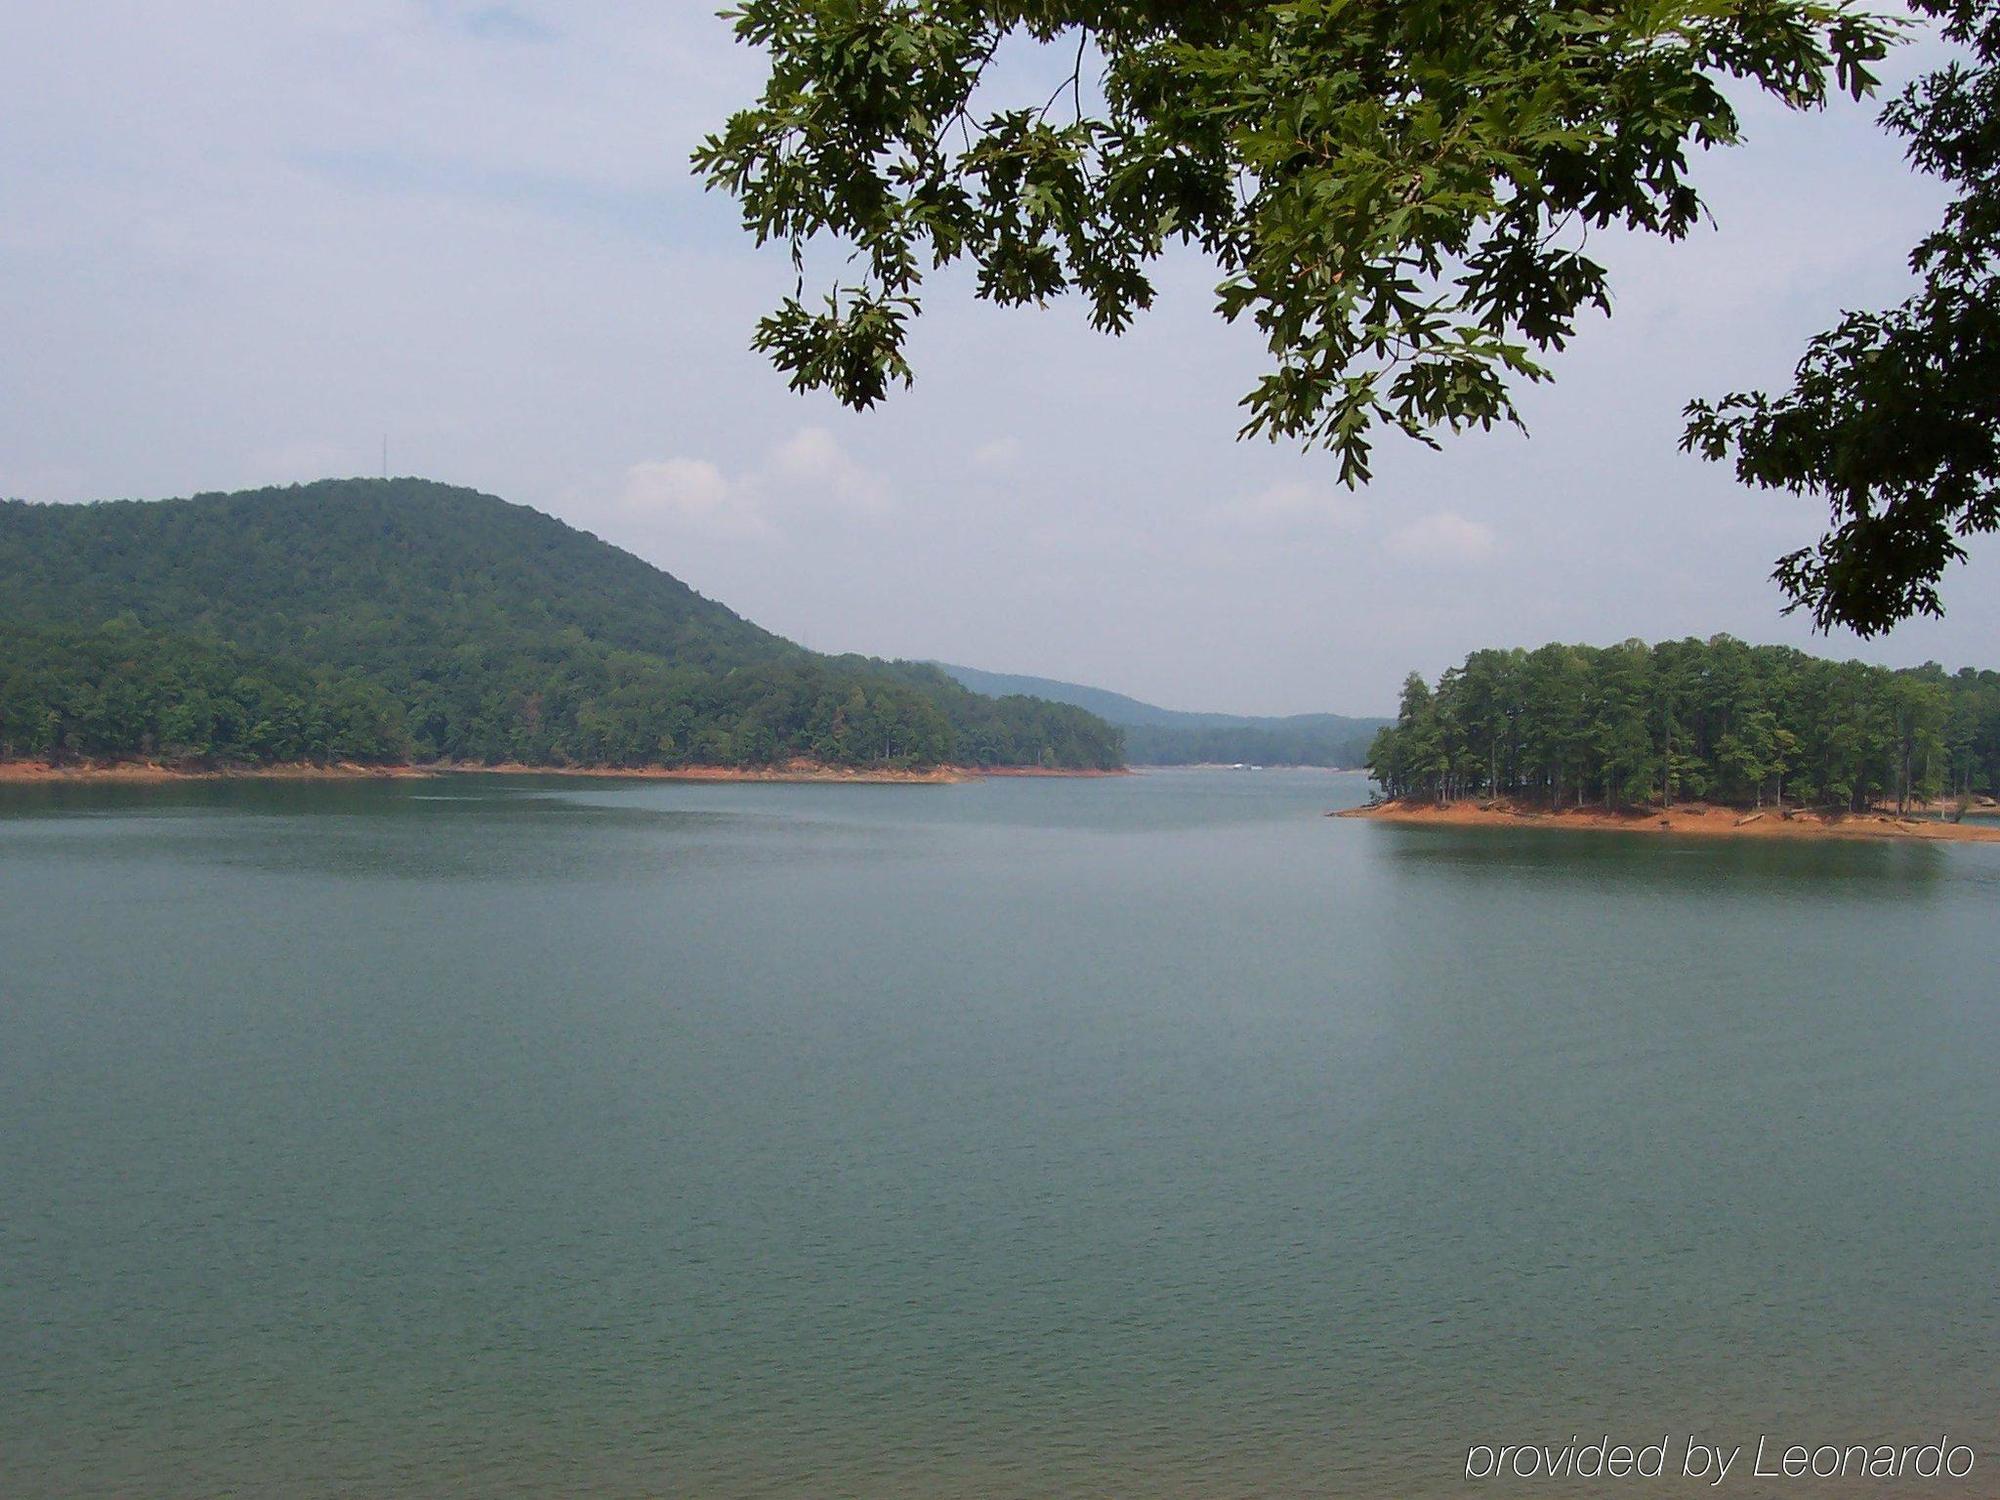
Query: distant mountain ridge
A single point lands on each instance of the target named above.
(1171, 736)
(400, 619)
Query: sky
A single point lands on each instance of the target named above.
(243, 244)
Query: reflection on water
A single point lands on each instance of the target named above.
(1733, 864)
(1156, 1135)
(494, 828)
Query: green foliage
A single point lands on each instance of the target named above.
(117, 691)
(343, 570)
(1396, 195)
(1304, 740)
(389, 620)
(1890, 416)
(1632, 724)
(1014, 730)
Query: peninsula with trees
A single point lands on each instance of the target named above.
(1697, 736)
(378, 624)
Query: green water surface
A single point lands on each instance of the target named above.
(1155, 1136)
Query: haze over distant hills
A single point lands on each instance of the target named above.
(1175, 737)
(394, 620)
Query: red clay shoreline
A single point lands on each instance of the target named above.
(1699, 818)
(148, 773)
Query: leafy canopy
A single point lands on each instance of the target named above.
(389, 620)
(1396, 194)
(1633, 724)
(1894, 417)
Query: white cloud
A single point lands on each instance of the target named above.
(1294, 502)
(691, 493)
(1442, 537)
(808, 475)
(817, 470)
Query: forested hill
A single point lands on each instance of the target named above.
(347, 572)
(1712, 720)
(391, 620)
(1176, 737)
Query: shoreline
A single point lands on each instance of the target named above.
(1703, 819)
(1030, 773)
(1232, 765)
(147, 773)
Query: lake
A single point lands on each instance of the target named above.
(1151, 1136)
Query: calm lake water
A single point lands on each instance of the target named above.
(1157, 1136)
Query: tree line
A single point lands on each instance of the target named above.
(120, 693)
(1715, 720)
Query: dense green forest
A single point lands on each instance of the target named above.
(109, 693)
(1156, 736)
(1718, 720)
(400, 620)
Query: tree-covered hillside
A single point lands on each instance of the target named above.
(1156, 736)
(1301, 740)
(1716, 720)
(359, 572)
(405, 620)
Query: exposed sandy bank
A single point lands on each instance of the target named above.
(796, 770)
(24, 772)
(1688, 817)
(134, 772)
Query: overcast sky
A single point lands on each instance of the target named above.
(241, 242)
